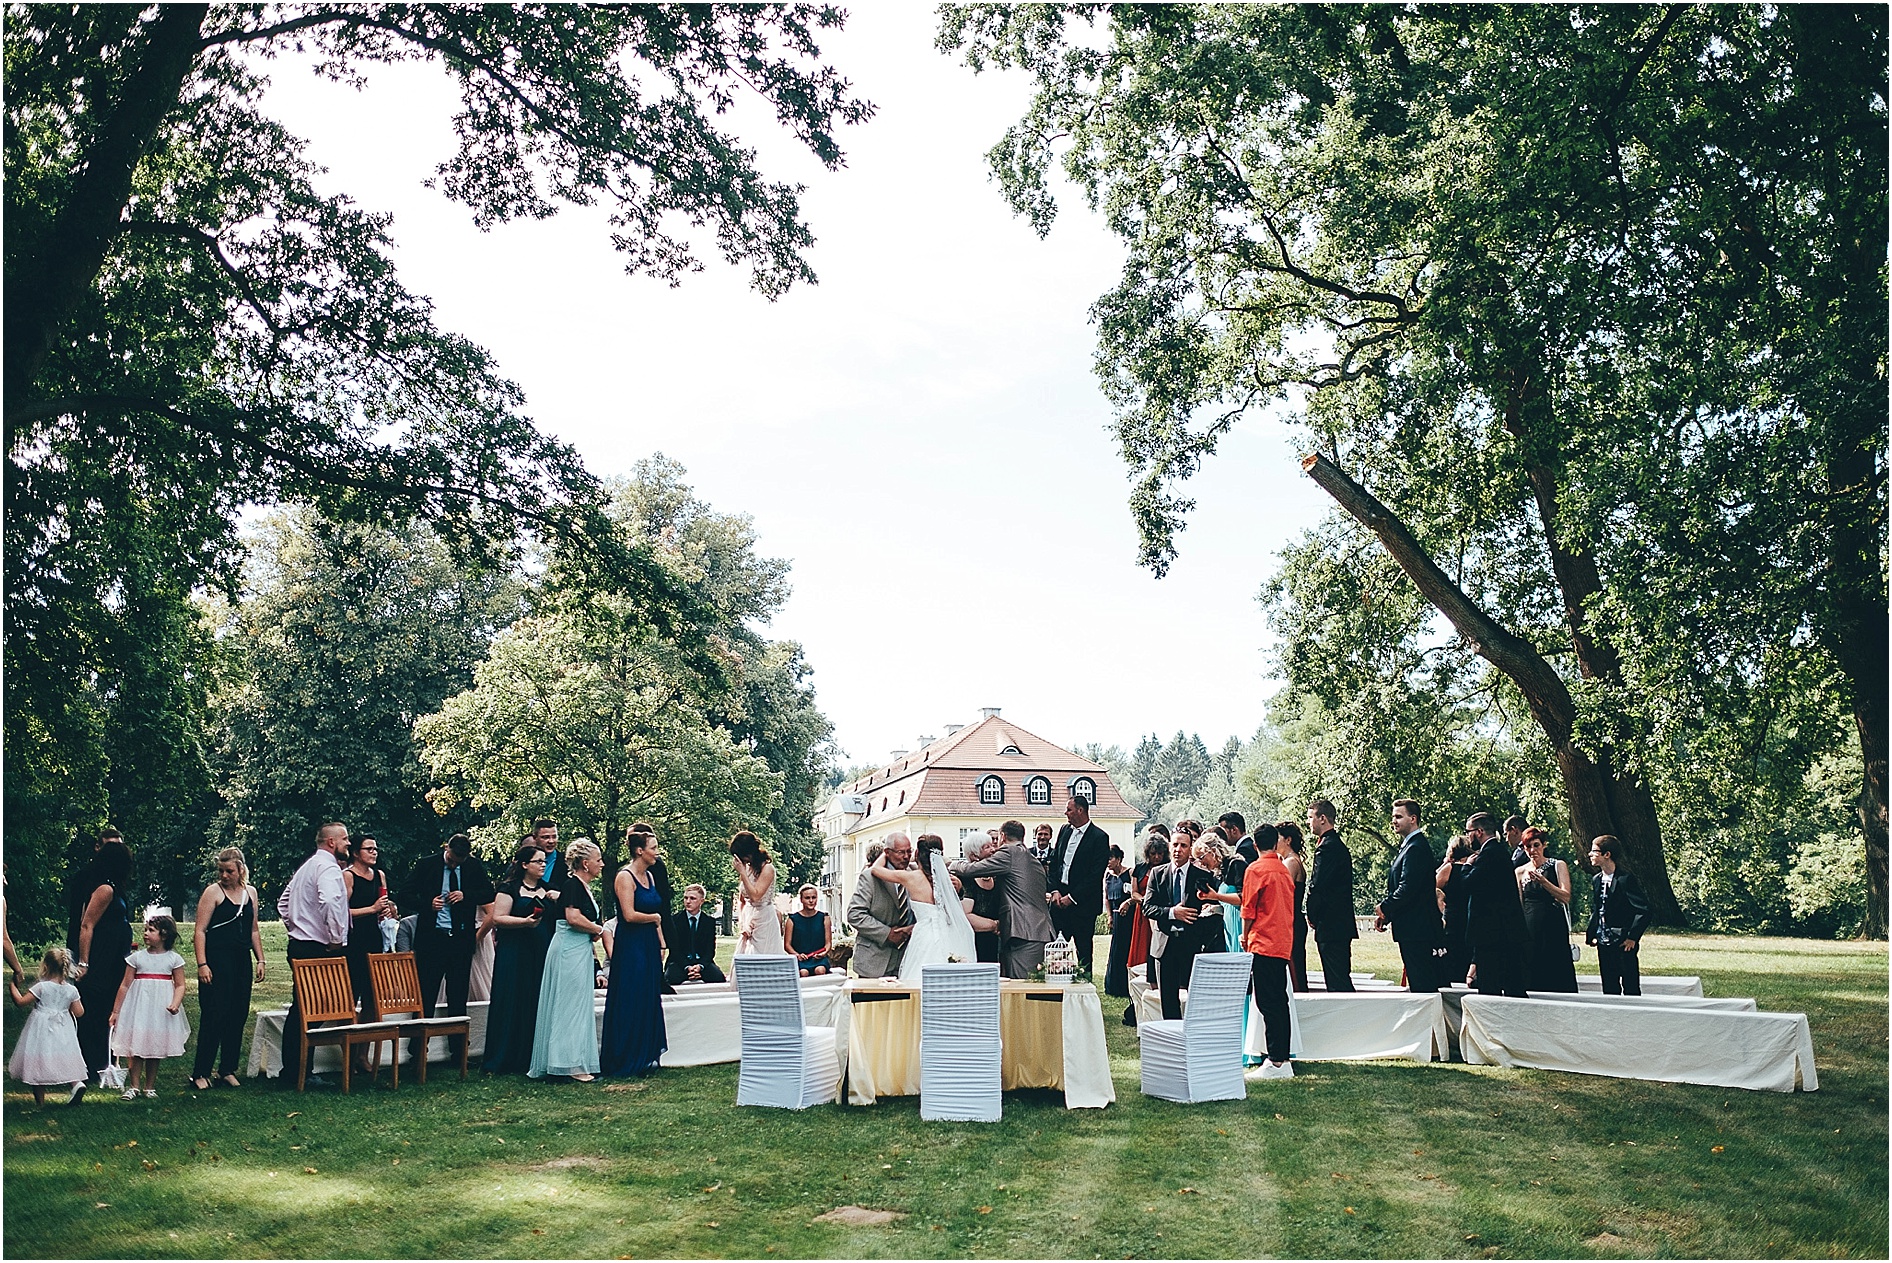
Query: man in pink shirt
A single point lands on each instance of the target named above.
(1268, 913)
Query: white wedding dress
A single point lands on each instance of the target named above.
(941, 933)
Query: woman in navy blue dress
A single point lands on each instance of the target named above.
(632, 1041)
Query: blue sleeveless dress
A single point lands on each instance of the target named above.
(633, 1039)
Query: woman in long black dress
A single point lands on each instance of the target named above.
(1451, 880)
(633, 1040)
(1297, 868)
(524, 913)
(1546, 893)
(99, 937)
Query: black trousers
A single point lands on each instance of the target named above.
(223, 1009)
(1622, 973)
(1298, 962)
(1117, 972)
(438, 958)
(1270, 981)
(295, 1049)
(1336, 962)
(987, 944)
(1179, 958)
(678, 964)
(1080, 929)
(1424, 971)
(1500, 969)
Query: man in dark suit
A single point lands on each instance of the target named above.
(1514, 838)
(1234, 827)
(1494, 912)
(692, 942)
(1329, 898)
(1074, 879)
(1619, 913)
(447, 891)
(1173, 906)
(1411, 905)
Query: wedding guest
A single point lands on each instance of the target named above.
(633, 1039)
(758, 921)
(659, 872)
(1514, 838)
(810, 935)
(1290, 832)
(985, 904)
(1494, 916)
(148, 1022)
(1172, 907)
(1118, 886)
(1040, 848)
(448, 890)
(565, 1041)
(1546, 889)
(1330, 897)
(524, 912)
(1454, 892)
(368, 905)
(1209, 854)
(1411, 905)
(1155, 855)
(6, 935)
(1268, 910)
(225, 937)
(692, 941)
(47, 1052)
(1074, 878)
(879, 912)
(314, 911)
(99, 932)
(1619, 913)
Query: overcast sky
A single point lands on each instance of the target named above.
(921, 434)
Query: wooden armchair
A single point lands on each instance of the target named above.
(324, 994)
(396, 990)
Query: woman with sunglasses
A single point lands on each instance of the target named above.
(368, 905)
(521, 926)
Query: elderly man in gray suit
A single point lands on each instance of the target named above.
(879, 913)
(1025, 922)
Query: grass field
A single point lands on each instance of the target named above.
(1345, 1160)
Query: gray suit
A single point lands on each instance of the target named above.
(1025, 921)
(877, 906)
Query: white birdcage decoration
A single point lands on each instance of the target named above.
(1060, 961)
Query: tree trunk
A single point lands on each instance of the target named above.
(50, 284)
(1601, 799)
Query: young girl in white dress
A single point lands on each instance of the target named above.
(48, 1051)
(148, 1023)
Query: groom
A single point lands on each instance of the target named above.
(1024, 922)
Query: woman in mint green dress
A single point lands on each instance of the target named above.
(566, 1041)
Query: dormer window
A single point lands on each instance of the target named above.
(1038, 791)
(1012, 750)
(1086, 788)
(991, 791)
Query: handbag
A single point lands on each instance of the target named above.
(112, 1076)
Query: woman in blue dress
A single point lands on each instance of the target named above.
(524, 916)
(566, 1039)
(633, 1039)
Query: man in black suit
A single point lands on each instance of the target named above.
(1074, 878)
(1514, 838)
(1172, 905)
(1619, 913)
(1329, 898)
(1411, 905)
(447, 891)
(692, 941)
(1494, 912)
(1234, 827)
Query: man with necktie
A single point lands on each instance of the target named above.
(692, 939)
(1172, 906)
(448, 890)
(1074, 879)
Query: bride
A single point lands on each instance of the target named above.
(941, 932)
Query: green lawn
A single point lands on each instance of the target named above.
(1346, 1160)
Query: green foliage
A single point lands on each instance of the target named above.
(346, 636)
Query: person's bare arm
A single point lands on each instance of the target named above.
(118, 1001)
(205, 903)
(88, 921)
(256, 933)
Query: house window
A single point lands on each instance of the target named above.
(1086, 788)
(992, 791)
(1038, 791)
(1012, 750)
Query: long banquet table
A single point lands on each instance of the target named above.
(1049, 1036)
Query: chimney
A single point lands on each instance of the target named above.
(988, 712)
(952, 728)
(897, 754)
(925, 741)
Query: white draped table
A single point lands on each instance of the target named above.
(702, 1025)
(1731, 1048)
(1050, 1037)
(1652, 984)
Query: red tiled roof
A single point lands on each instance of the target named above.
(943, 778)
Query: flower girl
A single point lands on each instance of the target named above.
(48, 1050)
(148, 1024)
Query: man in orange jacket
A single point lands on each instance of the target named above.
(1268, 913)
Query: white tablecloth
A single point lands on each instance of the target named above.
(1085, 1059)
(1455, 1018)
(1652, 984)
(1364, 1026)
(1668, 1044)
(702, 1026)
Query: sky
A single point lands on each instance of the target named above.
(920, 434)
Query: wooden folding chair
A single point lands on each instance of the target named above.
(395, 985)
(324, 994)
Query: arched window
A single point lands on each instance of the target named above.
(1011, 750)
(1086, 788)
(1038, 791)
(991, 791)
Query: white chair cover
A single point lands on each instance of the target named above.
(959, 1043)
(785, 1063)
(1199, 1058)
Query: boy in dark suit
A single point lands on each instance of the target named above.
(1619, 913)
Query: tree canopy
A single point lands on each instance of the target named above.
(1582, 309)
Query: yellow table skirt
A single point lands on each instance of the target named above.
(884, 1039)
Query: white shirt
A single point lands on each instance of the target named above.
(1070, 852)
(314, 905)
